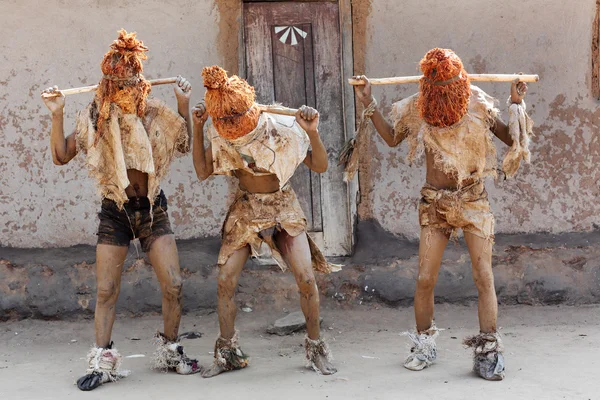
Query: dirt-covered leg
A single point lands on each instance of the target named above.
(103, 360)
(431, 249)
(169, 354)
(296, 253)
(109, 267)
(480, 250)
(228, 354)
(488, 357)
(165, 260)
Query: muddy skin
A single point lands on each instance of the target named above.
(480, 251)
(227, 281)
(431, 249)
(296, 253)
(165, 260)
(138, 183)
(109, 265)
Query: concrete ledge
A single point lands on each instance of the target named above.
(529, 269)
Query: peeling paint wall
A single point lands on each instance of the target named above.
(61, 42)
(558, 192)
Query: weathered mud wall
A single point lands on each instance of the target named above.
(62, 43)
(558, 191)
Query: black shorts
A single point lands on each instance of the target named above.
(134, 221)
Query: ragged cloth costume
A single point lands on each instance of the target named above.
(273, 145)
(465, 151)
(277, 146)
(122, 129)
(452, 122)
(146, 144)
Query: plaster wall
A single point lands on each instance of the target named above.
(61, 42)
(558, 191)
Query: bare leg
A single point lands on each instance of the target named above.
(229, 275)
(480, 250)
(165, 260)
(169, 354)
(109, 266)
(296, 253)
(423, 351)
(488, 358)
(431, 249)
(227, 281)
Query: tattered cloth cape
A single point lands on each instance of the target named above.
(277, 146)
(465, 150)
(145, 144)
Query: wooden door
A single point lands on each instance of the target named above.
(293, 57)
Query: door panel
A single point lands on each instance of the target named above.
(294, 86)
(293, 57)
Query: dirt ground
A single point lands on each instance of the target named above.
(551, 353)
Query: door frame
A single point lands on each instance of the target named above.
(338, 237)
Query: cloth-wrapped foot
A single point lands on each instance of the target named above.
(169, 356)
(488, 357)
(228, 356)
(318, 356)
(423, 351)
(103, 367)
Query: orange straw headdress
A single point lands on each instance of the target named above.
(230, 103)
(123, 82)
(445, 88)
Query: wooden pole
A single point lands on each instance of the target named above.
(276, 109)
(86, 89)
(398, 80)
